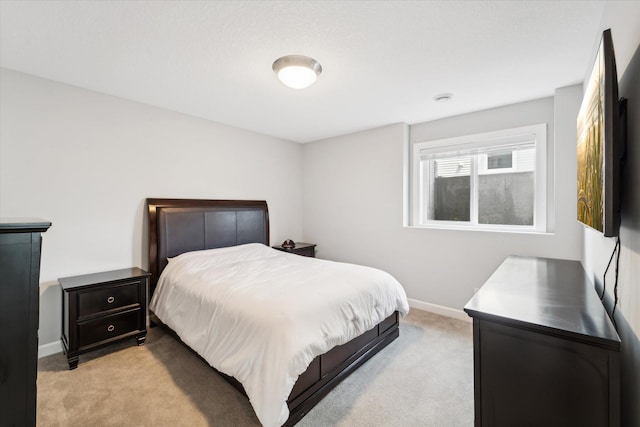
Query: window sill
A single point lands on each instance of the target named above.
(481, 229)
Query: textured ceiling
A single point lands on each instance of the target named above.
(383, 61)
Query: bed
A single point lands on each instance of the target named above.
(184, 231)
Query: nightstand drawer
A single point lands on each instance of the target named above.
(107, 298)
(309, 251)
(107, 327)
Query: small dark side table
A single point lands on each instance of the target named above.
(103, 308)
(303, 249)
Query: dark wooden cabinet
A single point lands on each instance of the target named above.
(545, 351)
(102, 308)
(303, 249)
(20, 243)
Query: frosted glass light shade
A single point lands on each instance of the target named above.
(297, 71)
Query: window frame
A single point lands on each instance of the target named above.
(537, 133)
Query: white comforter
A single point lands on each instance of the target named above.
(262, 315)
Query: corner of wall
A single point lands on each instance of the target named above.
(406, 186)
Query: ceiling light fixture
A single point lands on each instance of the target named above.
(297, 71)
(443, 97)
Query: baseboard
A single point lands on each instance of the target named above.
(49, 349)
(439, 309)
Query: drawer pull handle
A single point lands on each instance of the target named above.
(111, 328)
(110, 300)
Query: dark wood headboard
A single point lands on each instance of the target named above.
(177, 226)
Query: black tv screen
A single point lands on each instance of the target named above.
(598, 148)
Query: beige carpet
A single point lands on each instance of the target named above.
(424, 378)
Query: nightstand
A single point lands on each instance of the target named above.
(103, 308)
(304, 249)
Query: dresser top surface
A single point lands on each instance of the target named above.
(544, 294)
(23, 225)
(72, 282)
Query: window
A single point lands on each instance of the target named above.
(500, 161)
(493, 181)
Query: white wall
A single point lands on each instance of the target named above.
(353, 203)
(87, 161)
(623, 18)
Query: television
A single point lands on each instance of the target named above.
(599, 145)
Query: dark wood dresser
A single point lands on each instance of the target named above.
(303, 249)
(20, 243)
(102, 308)
(545, 351)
